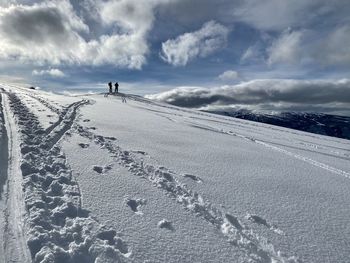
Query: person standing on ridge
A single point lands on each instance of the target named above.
(116, 86)
(110, 87)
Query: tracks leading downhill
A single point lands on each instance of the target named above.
(44, 217)
(15, 247)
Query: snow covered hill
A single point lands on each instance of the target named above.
(92, 179)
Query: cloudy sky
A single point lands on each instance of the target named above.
(280, 54)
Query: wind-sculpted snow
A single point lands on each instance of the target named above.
(59, 229)
(256, 247)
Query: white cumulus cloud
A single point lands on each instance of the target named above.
(201, 43)
(50, 72)
(229, 75)
(52, 32)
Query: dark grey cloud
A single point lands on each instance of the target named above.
(54, 33)
(196, 12)
(281, 14)
(274, 15)
(317, 94)
(36, 25)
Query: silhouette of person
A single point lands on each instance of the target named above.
(116, 86)
(110, 87)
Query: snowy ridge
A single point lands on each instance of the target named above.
(249, 138)
(256, 248)
(238, 122)
(58, 229)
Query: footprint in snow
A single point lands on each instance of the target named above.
(139, 152)
(111, 138)
(135, 204)
(165, 224)
(107, 168)
(261, 221)
(86, 120)
(100, 169)
(113, 240)
(84, 145)
(193, 177)
(234, 221)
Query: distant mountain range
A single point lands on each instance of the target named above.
(325, 124)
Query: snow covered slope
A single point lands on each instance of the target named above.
(107, 181)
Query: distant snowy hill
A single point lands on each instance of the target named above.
(325, 124)
(90, 178)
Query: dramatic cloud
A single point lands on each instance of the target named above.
(56, 73)
(51, 32)
(228, 76)
(133, 39)
(210, 38)
(271, 94)
(132, 15)
(40, 32)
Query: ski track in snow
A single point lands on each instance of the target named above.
(249, 138)
(256, 248)
(15, 248)
(3, 149)
(201, 115)
(3, 177)
(268, 145)
(57, 228)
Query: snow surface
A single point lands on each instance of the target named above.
(141, 181)
(3, 174)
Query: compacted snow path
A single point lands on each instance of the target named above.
(3, 177)
(15, 248)
(47, 216)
